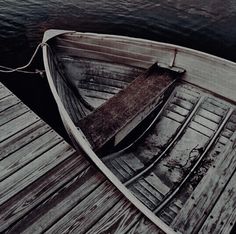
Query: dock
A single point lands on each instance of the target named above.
(46, 186)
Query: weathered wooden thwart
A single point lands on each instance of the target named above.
(124, 111)
(48, 187)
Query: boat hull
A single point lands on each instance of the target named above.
(85, 71)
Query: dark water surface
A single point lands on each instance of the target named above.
(203, 25)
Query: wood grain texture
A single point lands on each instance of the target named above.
(24, 201)
(28, 153)
(197, 208)
(223, 216)
(31, 172)
(96, 205)
(204, 70)
(7, 102)
(17, 124)
(4, 92)
(22, 138)
(144, 92)
(144, 226)
(13, 112)
(56, 206)
(43, 179)
(118, 220)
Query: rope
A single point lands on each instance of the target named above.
(21, 69)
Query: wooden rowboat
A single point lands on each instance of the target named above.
(161, 119)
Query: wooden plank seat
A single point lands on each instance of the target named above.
(124, 111)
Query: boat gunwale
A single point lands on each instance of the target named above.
(51, 33)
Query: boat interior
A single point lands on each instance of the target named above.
(162, 119)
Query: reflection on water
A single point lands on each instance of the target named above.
(204, 25)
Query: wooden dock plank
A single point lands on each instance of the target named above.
(24, 201)
(198, 206)
(117, 220)
(56, 206)
(223, 216)
(13, 112)
(17, 124)
(31, 172)
(28, 153)
(142, 227)
(7, 102)
(126, 110)
(4, 92)
(22, 138)
(91, 209)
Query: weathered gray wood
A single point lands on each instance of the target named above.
(17, 125)
(31, 172)
(102, 49)
(118, 220)
(7, 102)
(223, 216)
(36, 165)
(24, 201)
(209, 115)
(204, 70)
(4, 92)
(135, 62)
(22, 138)
(13, 112)
(143, 226)
(28, 153)
(99, 87)
(125, 109)
(90, 210)
(117, 75)
(96, 94)
(206, 122)
(56, 206)
(125, 45)
(197, 208)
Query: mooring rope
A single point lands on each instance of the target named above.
(21, 69)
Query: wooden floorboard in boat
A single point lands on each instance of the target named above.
(198, 207)
(223, 216)
(127, 108)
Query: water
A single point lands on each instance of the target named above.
(203, 25)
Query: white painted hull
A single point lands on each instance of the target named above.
(85, 70)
